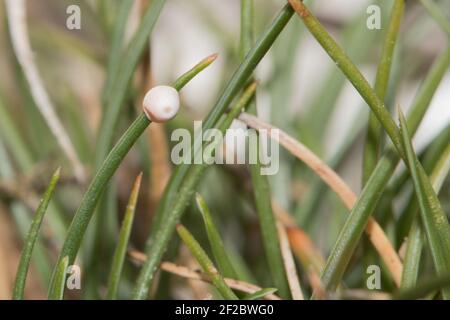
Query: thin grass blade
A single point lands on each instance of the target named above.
(218, 249)
(124, 236)
(206, 263)
(31, 238)
(57, 291)
(433, 217)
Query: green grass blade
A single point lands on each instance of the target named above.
(206, 263)
(160, 240)
(433, 217)
(413, 254)
(372, 147)
(259, 294)
(357, 220)
(269, 230)
(261, 183)
(218, 249)
(424, 288)
(236, 83)
(119, 88)
(57, 290)
(31, 238)
(437, 14)
(85, 211)
(116, 48)
(415, 238)
(350, 71)
(124, 236)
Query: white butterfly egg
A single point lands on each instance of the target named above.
(161, 103)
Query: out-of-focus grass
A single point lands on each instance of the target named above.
(239, 223)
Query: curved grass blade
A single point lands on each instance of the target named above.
(85, 211)
(206, 264)
(160, 240)
(259, 294)
(16, 13)
(124, 236)
(374, 231)
(31, 238)
(57, 291)
(355, 224)
(220, 255)
(433, 217)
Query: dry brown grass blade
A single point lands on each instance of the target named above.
(289, 264)
(187, 273)
(5, 278)
(316, 285)
(160, 169)
(332, 179)
(305, 250)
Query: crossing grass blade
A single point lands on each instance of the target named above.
(433, 217)
(98, 184)
(206, 263)
(259, 294)
(162, 237)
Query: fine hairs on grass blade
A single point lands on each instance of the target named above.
(33, 233)
(57, 290)
(206, 264)
(87, 206)
(414, 246)
(217, 247)
(415, 240)
(433, 217)
(374, 231)
(372, 149)
(161, 238)
(124, 236)
(19, 37)
(187, 273)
